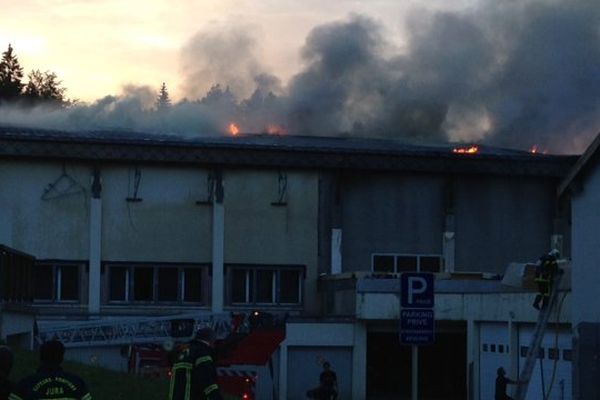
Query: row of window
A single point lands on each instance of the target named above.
(394, 263)
(125, 283)
(553, 352)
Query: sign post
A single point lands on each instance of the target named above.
(416, 317)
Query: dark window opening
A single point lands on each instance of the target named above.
(44, 282)
(118, 284)
(192, 290)
(289, 292)
(553, 354)
(407, 263)
(68, 282)
(500, 348)
(430, 264)
(485, 347)
(493, 348)
(568, 355)
(383, 263)
(241, 286)
(265, 286)
(168, 284)
(143, 284)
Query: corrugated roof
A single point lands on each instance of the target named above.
(273, 151)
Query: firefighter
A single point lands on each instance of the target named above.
(6, 363)
(545, 271)
(501, 382)
(194, 375)
(50, 381)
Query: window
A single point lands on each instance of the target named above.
(168, 284)
(485, 347)
(192, 285)
(155, 284)
(389, 263)
(383, 263)
(143, 284)
(250, 285)
(56, 282)
(44, 282)
(119, 284)
(553, 353)
(568, 355)
(67, 282)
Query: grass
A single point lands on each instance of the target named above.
(102, 383)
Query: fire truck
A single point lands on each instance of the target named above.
(244, 356)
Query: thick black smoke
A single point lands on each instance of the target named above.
(510, 73)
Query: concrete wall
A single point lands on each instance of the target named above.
(585, 208)
(586, 250)
(496, 220)
(55, 228)
(462, 307)
(167, 225)
(385, 213)
(501, 219)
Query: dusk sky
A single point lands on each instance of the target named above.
(97, 46)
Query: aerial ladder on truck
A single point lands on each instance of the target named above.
(546, 310)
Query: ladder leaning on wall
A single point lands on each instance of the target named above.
(536, 339)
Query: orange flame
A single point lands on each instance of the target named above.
(466, 150)
(534, 149)
(234, 129)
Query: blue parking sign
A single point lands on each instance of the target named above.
(416, 290)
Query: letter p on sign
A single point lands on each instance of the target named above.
(416, 290)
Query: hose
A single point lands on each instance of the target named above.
(547, 396)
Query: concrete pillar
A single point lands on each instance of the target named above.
(473, 360)
(336, 251)
(513, 342)
(95, 257)
(218, 245)
(449, 251)
(359, 362)
(283, 369)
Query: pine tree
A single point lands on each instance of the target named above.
(163, 102)
(44, 88)
(11, 74)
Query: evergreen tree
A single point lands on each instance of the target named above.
(44, 87)
(163, 102)
(11, 74)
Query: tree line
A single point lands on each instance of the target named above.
(39, 88)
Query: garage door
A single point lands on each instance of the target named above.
(493, 353)
(556, 359)
(305, 367)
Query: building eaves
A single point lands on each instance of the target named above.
(583, 164)
(302, 152)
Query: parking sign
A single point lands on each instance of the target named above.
(416, 290)
(416, 314)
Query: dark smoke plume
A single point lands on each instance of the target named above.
(509, 73)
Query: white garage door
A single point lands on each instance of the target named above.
(556, 356)
(493, 353)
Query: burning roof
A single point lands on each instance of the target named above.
(275, 150)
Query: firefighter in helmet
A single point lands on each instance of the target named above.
(194, 375)
(545, 272)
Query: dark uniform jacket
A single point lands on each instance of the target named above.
(6, 387)
(51, 383)
(194, 375)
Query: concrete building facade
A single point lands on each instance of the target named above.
(316, 229)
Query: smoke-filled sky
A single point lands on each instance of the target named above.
(506, 72)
